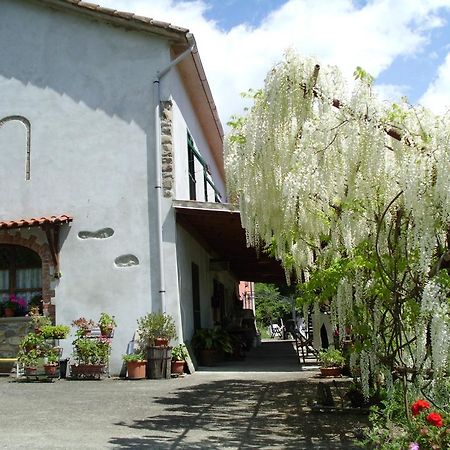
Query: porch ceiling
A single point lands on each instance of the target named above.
(217, 227)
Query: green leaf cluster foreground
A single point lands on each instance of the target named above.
(353, 196)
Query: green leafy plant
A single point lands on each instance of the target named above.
(37, 319)
(84, 326)
(53, 356)
(331, 358)
(179, 353)
(91, 351)
(33, 342)
(106, 322)
(28, 359)
(391, 428)
(133, 357)
(212, 339)
(55, 331)
(153, 326)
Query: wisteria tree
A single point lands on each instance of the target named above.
(354, 195)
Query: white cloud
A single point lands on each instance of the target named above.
(437, 96)
(392, 92)
(334, 31)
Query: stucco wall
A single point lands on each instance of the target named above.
(190, 251)
(184, 119)
(86, 88)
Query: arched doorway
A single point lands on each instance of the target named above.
(20, 275)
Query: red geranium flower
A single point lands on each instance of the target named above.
(418, 406)
(435, 419)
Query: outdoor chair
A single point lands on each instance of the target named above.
(275, 331)
(304, 345)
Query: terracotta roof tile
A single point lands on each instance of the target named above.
(128, 16)
(35, 221)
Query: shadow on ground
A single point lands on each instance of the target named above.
(242, 414)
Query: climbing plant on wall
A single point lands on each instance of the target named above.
(353, 194)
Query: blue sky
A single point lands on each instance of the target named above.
(230, 13)
(405, 44)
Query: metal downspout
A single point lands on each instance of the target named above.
(158, 163)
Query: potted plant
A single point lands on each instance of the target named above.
(29, 360)
(107, 324)
(91, 353)
(55, 331)
(156, 329)
(32, 341)
(331, 362)
(210, 343)
(38, 320)
(179, 355)
(14, 306)
(136, 365)
(84, 326)
(51, 365)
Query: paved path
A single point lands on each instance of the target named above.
(263, 405)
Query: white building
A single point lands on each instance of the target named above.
(108, 134)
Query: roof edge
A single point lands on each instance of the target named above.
(123, 18)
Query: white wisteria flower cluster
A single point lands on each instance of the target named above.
(314, 158)
(320, 166)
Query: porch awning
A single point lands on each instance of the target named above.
(35, 221)
(217, 227)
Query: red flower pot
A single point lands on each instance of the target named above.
(177, 367)
(161, 342)
(50, 369)
(30, 371)
(136, 370)
(9, 312)
(331, 371)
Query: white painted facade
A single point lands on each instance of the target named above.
(86, 86)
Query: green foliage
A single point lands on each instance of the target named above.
(361, 74)
(331, 358)
(106, 321)
(133, 357)
(391, 428)
(269, 304)
(212, 339)
(33, 343)
(179, 353)
(37, 320)
(55, 331)
(52, 355)
(29, 358)
(91, 350)
(153, 326)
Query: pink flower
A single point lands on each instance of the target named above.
(414, 446)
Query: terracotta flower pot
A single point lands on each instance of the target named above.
(9, 312)
(87, 369)
(161, 342)
(30, 371)
(50, 369)
(177, 367)
(136, 369)
(331, 371)
(107, 331)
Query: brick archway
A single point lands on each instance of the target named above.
(44, 253)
